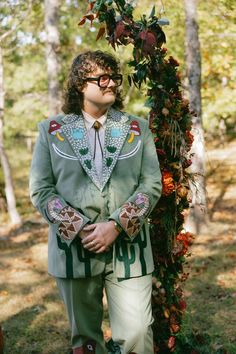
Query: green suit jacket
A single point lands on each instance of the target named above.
(67, 191)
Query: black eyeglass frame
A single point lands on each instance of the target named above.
(113, 77)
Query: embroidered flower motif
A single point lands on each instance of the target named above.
(142, 201)
(54, 208)
(84, 151)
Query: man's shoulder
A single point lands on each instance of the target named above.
(140, 120)
(52, 121)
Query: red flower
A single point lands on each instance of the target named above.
(189, 138)
(160, 152)
(171, 342)
(187, 163)
(182, 243)
(173, 62)
(182, 305)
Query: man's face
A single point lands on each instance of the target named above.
(99, 97)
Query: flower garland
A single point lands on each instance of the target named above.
(170, 122)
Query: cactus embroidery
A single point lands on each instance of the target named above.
(69, 258)
(126, 256)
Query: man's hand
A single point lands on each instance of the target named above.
(101, 236)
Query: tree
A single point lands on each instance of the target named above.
(9, 190)
(51, 8)
(193, 63)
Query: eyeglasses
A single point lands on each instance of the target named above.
(104, 80)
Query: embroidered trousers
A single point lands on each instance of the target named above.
(129, 306)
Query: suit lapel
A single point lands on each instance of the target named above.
(76, 134)
(116, 131)
(115, 135)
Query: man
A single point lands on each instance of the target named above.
(95, 178)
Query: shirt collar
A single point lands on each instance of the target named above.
(89, 120)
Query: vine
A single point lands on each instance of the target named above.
(170, 122)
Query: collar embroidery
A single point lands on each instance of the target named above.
(115, 135)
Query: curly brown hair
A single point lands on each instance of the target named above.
(83, 65)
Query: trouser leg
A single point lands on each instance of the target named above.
(130, 312)
(83, 300)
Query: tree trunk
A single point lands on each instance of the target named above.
(10, 196)
(193, 60)
(51, 8)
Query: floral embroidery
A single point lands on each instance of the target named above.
(111, 149)
(109, 161)
(54, 208)
(142, 201)
(84, 151)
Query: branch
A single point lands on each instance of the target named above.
(22, 18)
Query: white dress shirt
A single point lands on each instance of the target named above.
(89, 121)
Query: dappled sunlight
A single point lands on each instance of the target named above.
(211, 287)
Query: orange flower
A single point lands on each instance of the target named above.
(182, 243)
(168, 185)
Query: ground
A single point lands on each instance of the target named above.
(32, 315)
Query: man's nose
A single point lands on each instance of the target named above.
(111, 83)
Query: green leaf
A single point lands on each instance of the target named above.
(130, 80)
(150, 102)
(152, 12)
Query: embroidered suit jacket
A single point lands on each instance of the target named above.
(67, 191)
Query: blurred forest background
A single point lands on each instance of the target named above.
(27, 295)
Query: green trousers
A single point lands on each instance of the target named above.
(129, 307)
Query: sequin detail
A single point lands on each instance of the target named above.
(115, 133)
(78, 134)
(116, 123)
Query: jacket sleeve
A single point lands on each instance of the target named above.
(45, 197)
(133, 213)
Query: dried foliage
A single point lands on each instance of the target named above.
(170, 123)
